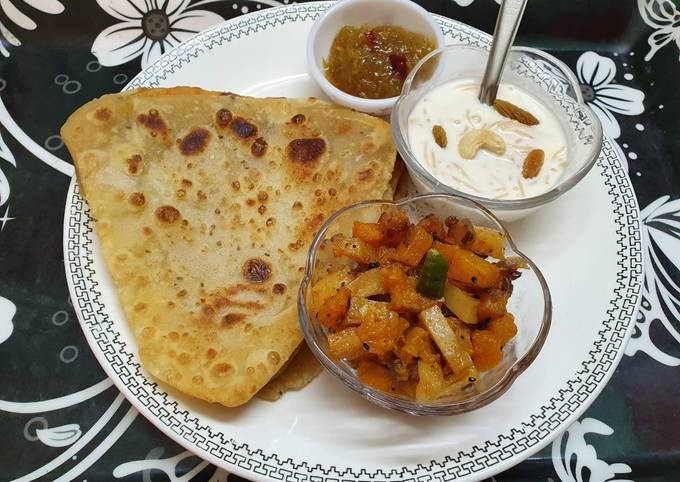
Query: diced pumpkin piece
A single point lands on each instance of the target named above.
(470, 268)
(492, 304)
(334, 308)
(369, 283)
(393, 275)
(453, 386)
(394, 225)
(369, 233)
(361, 309)
(414, 247)
(462, 332)
(430, 381)
(382, 335)
(403, 294)
(376, 376)
(406, 298)
(460, 231)
(447, 249)
(449, 345)
(465, 266)
(407, 389)
(461, 303)
(486, 350)
(401, 372)
(417, 344)
(327, 286)
(503, 328)
(345, 344)
(353, 248)
(385, 254)
(489, 242)
(433, 225)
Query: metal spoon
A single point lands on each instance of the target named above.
(507, 23)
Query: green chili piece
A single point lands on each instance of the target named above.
(433, 275)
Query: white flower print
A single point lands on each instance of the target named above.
(596, 73)
(663, 16)
(7, 312)
(148, 28)
(465, 3)
(7, 155)
(21, 20)
(661, 293)
(168, 466)
(573, 445)
(59, 436)
(4, 188)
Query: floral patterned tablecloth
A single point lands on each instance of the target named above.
(62, 419)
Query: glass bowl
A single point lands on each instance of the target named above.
(543, 76)
(530, 304)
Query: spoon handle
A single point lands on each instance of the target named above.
(507, 23)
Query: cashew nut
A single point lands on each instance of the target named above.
(476, 139)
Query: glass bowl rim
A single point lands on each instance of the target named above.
(411, 406)
(501, 204)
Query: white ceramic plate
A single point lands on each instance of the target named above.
(587, 244)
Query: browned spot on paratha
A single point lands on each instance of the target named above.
(195, 142)
(223, 117)
(153, 121)
(133, 164)
(365, 175)
(274, 358)
(136, 199)
(305, 151)
(342, 127)
(242, 128)
(313, 223)
(279, 289)
(256, 270)
(103, 114)
(167, 214)
(297, 119)
(259, 147)
(222, 370)
(231, 319)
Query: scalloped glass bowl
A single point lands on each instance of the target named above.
(530, 303)
(543, 76)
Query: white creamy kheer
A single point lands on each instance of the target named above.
(454, 107)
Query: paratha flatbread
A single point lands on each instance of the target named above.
(302, 368)
(205, 205)
(394, 190)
